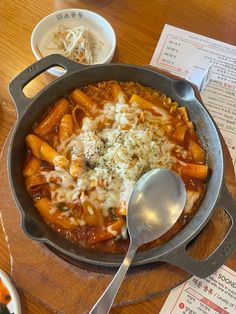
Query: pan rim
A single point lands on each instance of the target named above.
(137, 261)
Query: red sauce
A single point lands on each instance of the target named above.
(100, 92)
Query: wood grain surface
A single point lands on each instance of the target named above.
(138, 25)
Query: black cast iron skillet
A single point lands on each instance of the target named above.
(217, 195)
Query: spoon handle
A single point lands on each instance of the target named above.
(106, 300)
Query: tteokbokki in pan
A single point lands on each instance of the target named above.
(85, 155)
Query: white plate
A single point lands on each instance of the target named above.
(41, 38)
(13, 306)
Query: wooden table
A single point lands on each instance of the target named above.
(138, 25)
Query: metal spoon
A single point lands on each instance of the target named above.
(155, 204)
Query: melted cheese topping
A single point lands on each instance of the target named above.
(131, 143)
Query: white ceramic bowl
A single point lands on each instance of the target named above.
(14, 305)
(42, 35)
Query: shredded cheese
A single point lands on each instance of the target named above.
(110, 230)
(114, 158)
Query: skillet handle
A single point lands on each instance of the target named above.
(18, 83)
(225, 249)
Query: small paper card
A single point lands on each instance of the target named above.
(213, 295)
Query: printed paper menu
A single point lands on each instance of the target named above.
(187, 55)
(213, 295)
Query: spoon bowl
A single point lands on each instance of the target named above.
(155, 204)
